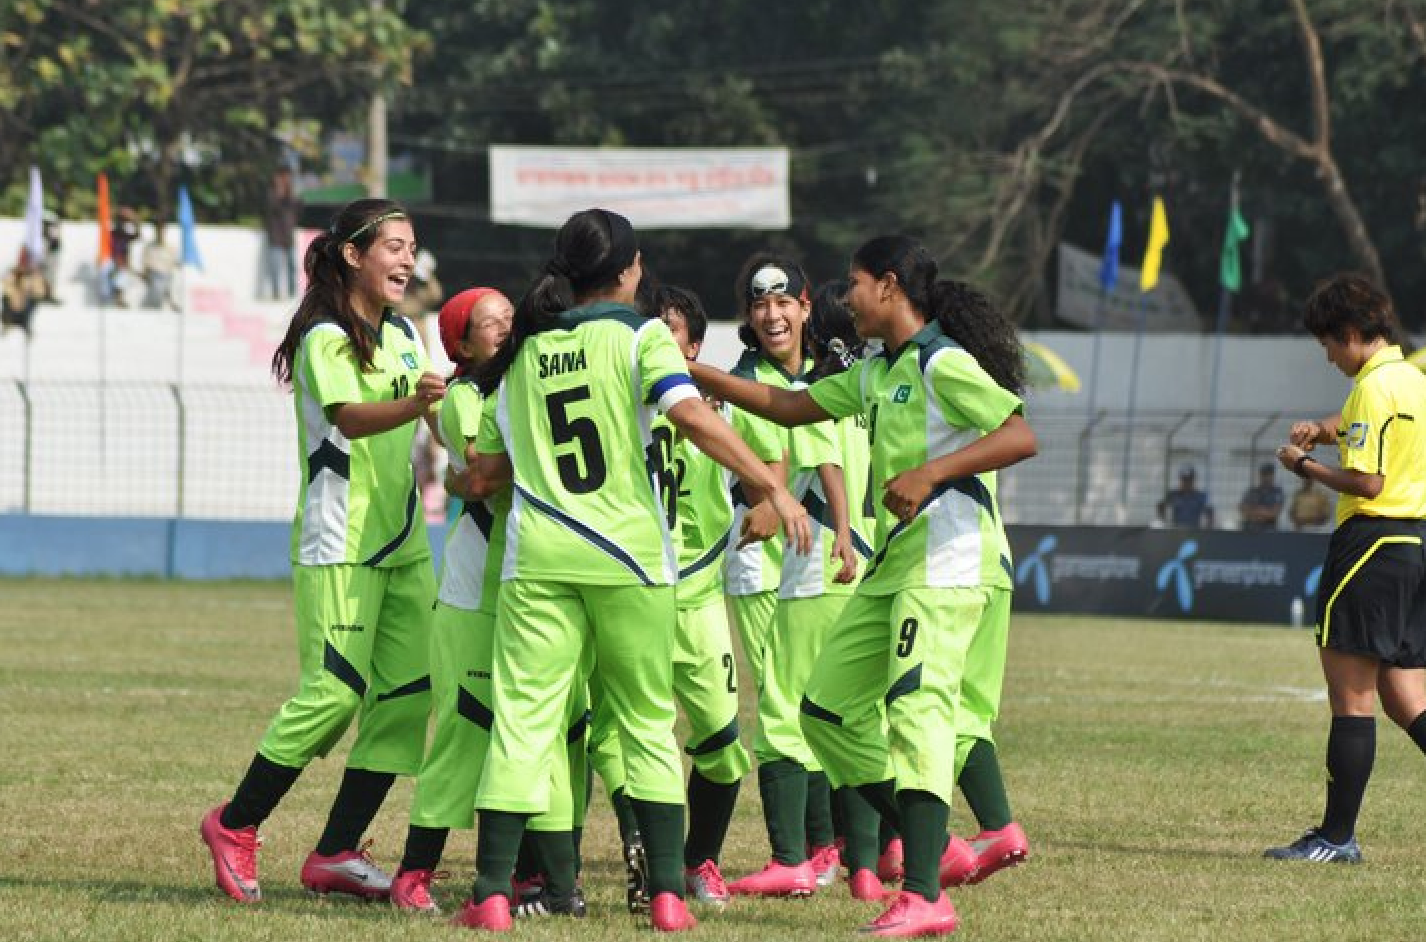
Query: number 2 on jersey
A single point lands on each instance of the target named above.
(585, 471)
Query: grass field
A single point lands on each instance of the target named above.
(1149, 762)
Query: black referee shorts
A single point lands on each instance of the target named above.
(1372, 598)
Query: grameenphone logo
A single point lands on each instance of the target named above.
(1313, 582)
(1036, 570)
(1176, 571)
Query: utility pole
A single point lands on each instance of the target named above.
(376, 150)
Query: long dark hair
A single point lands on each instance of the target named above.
(329, 281)
(964, 313)
(754, 264)
(835, 343)
(592, 249)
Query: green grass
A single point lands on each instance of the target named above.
(1149, 762)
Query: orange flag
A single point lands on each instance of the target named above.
(106, 245)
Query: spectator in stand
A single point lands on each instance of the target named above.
(122, 236)
(23, 288)
(1311, 506)
(279, 223)
(1186, 506)
(1262, 503)
(160, 262)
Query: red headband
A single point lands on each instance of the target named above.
(455, 318)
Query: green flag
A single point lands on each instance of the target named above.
(1230, 267)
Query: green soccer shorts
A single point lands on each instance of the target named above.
(543, 629)
(984, 676)
(908, 650)
(753, 616)
(462, 644)
(799, 630)
(363, 646)
(705, 683)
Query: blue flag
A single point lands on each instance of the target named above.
(1109, 267)
(189, 227)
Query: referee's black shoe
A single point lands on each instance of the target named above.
(1313, 846)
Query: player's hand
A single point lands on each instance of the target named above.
(430, 389)
(842, 549)
(794, 520)
(1288, 455)
(759, 523)
(904, 494)
(1304, 435)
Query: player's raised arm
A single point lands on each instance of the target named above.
(787, 407)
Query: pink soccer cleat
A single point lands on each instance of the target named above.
(670, 914)
(411, 891)
(493, 915)
(997, 850)
(705, 884)
(777, 880)
(866, 886)
(910, 915)
(891, 865)
(352, 872)
(234, 853)
(826, 861)
(959, 863)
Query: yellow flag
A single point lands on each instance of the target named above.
(1154, 253)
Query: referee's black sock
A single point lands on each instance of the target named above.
(1417, 731)
(859, 827)
(819, 828)
(496, 848)
(424, 847)
(661, 825)
(358, 800)
(923, 828)
(710, 809)
(258, 793)
(984, 788)
(783, 784)
(1351, 750)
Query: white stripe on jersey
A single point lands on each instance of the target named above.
(324, 513)
(510, 561)
(463, 563)
(953, 541)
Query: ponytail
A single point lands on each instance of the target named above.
(969, 318)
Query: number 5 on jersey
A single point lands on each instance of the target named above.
(582, 470)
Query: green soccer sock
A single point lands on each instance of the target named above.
(624, 814)
(661, 826)
(886, 833)
(554, 850)
(496, 849)
(882, 797)
(860, 824)
(818, 819)
(783, 784)
(923, 835)
(984, 788)
(710, 809)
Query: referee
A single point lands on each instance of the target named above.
(1371, 610)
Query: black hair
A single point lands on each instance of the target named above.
(687, 305)
(329, 282)
(756, 262)
(592, 250)
(1350, 300)
(964, 313)
(645, 298)
(835, 343)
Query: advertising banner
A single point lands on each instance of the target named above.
(657, 188)
(1210, 575)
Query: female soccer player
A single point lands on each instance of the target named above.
(361, 559)
(1371, 607)
(941, 416)
(783, 607)
(473, 324)
(588, 561)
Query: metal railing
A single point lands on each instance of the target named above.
(229, 452)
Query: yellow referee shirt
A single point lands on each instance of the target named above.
(1383, 431)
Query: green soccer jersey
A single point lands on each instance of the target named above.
(358, 502)
(706, 513)
(843, 444)
(575, 414)
(928, 399)
(475, 541)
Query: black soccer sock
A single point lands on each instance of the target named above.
(358, 800)
(661, 825)
(526, 864)
(495, 851)
(624, 814)
(424, 847)
(555, 852)
(783, 785)
(984, 788)
(923, 834)
(818, 819)
(1417, 731)
(859, 829)
(710, 810)
(882, 797)
(262, 787)
(1351, 750)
